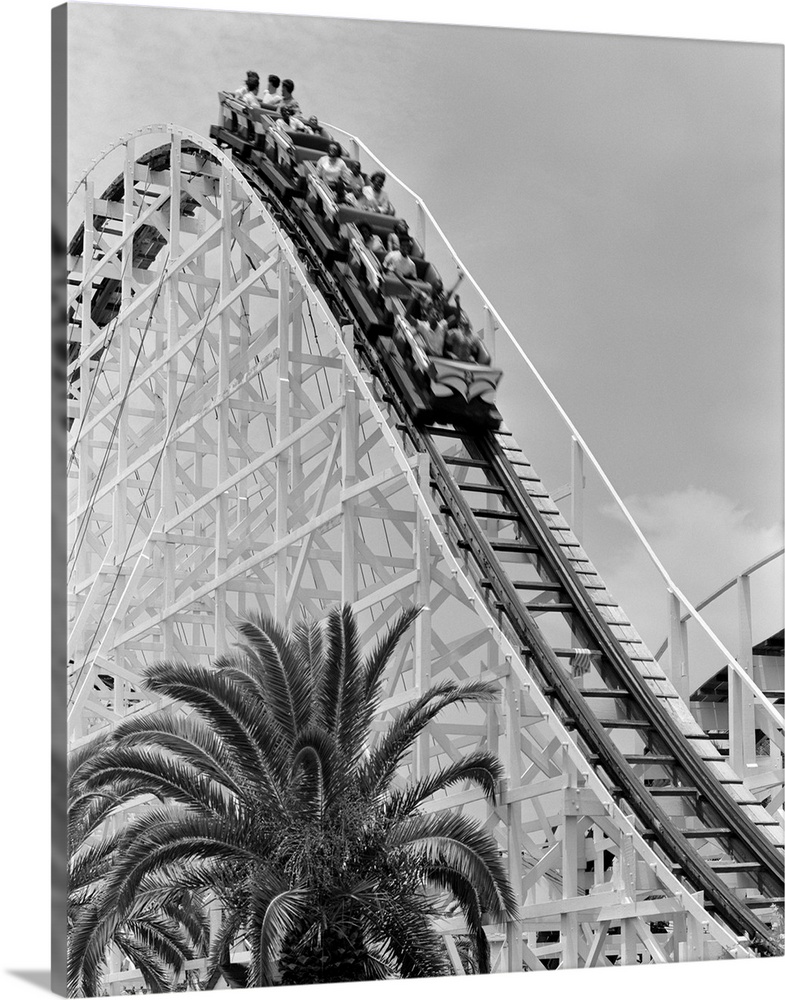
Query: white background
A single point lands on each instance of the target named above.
(25, 495)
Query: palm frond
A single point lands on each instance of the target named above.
(146, 961)
(194, 875)
(149, 770)
(168, 835)
(308, 643)
(313, 772)
(88, 941)
(191, 914)
(232, 923)
(161, 938)
(465, 894)
(280, 917)
(284, 680)
(459, 842)
(479, 767)
(87, 811)
(376, 663)
(80, 754)
(340, 689)
(186, 736)
(88, 862)
(230, 708)
(402, 928)
(386, 756)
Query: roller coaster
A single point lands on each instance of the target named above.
(630, 834)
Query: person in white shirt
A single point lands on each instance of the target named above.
(249, 92)
(271, 98)
(251, 83)
(332, 167)
(374, 198)
(400, 261)
(292, 121)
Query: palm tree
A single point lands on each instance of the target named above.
(277, 803)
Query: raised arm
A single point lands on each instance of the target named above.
(454, 289)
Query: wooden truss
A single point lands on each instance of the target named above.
(228, 455)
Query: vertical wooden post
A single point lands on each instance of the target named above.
(282, 429)
(296, 377)
(492, 711)
(169, 458)
(629, 942)
(679, 936)
(243, 418)
(514, 819)
(677, 643)
(349, 443)
(200, 297)
(598, 843)
(220, 641)
(120, 499)
(422, 627)
(627, 862)
(569, 921)
(694, 948)
(741, 703)
(83, 558)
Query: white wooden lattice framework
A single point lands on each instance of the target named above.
(228, 455)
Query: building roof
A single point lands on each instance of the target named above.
(716, 687)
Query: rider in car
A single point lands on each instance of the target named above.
(374, 199)
(271, 98)
(400, 261)
(461, 343)
(332, 167)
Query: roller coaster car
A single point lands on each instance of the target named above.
(241, 127)
(362, 298)
(437, 390)
(368, 265)
(447, 377)
(321, 216)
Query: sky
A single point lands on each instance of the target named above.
(618, 199)
(731, 466)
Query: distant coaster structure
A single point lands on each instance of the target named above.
(239, 439)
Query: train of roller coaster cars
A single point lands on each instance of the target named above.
(436, 390)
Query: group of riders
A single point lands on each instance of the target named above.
(438, 323)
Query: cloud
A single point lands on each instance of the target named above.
(703, 539)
